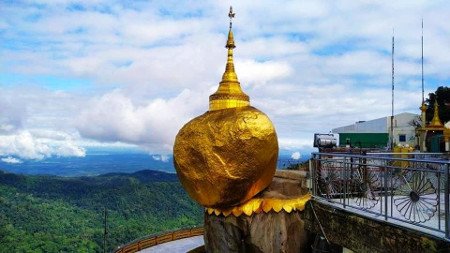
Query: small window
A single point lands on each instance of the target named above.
(402, 137)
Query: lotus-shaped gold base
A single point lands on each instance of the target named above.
(258, 205)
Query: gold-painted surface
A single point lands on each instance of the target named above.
(447, 132)
(423, 107)
(229, 94)
(225, 157)
(258, 205)
(227, 103)
(229, 154)
(436, 121)
(423, 114)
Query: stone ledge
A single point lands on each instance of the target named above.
(291, 174)
(287, 184)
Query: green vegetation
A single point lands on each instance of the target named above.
(303, 166)
(443, 97)
(56, 214)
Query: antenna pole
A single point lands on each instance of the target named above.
(392, 106)
(423, 91)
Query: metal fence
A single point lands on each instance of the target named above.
(411, 192)
(412, 155)
(153, 240)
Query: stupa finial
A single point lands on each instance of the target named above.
(230, 74)
(436, 121)
(231, 16)
(229, 94)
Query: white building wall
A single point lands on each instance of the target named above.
(382, 125)
(402, 119)
(370, 126)
(410, 136)
(402, 126)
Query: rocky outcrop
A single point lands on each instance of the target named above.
(262, 232)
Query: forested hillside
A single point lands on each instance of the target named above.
(57, 214)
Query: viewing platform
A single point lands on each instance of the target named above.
(402, 204)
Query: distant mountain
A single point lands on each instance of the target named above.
(66, 214)
(99, 162)
(146, 176)
(93, 164)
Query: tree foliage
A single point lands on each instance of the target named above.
(56, 214)
(442, 94)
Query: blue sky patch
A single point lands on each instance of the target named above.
(46, 81)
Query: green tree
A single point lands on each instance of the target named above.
(57, 214)
(442, 94)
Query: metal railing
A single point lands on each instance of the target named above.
(408, 192)
(412, 155)
(153, 240)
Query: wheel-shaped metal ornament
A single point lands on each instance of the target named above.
(364, 187)
(415, 197)
(329, 179)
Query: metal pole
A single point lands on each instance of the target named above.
(390, 189)
(447, 202)
(312, 166)
(392, 112)
(381, 171)
(439, 199)
(423, 91)
(344, 177)
(386, 192)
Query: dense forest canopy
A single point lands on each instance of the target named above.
(442, 94)
(58, 214)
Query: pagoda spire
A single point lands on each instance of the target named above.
(229, 94)
(230, 74)
(436, 121)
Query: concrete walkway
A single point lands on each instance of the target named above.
(178, 246)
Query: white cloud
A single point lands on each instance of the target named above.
(296, 155)
(311, 66)
(259, 73)
(6, 128)
(11, 160)
(162, 158)
(294, 143)
(153, 125)
(12, 114)
(69, 149)
(26, 146)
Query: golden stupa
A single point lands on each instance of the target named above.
(227, 155)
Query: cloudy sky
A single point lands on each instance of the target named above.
(80, 74)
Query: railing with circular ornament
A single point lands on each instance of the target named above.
(409, 191)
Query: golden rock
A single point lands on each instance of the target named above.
(227, 155)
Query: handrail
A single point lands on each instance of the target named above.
(403, 153)
(409, 192)
(431, 160)
(155, 239)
